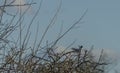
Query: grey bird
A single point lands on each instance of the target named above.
(77, 50)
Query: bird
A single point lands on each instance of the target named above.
(80, 47)
(77, 50)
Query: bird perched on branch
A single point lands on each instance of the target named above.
(77, 49)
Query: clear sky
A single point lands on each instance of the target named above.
(100, 27)
(101, 23)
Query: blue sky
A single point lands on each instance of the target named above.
(101, 23)
(101, 27)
